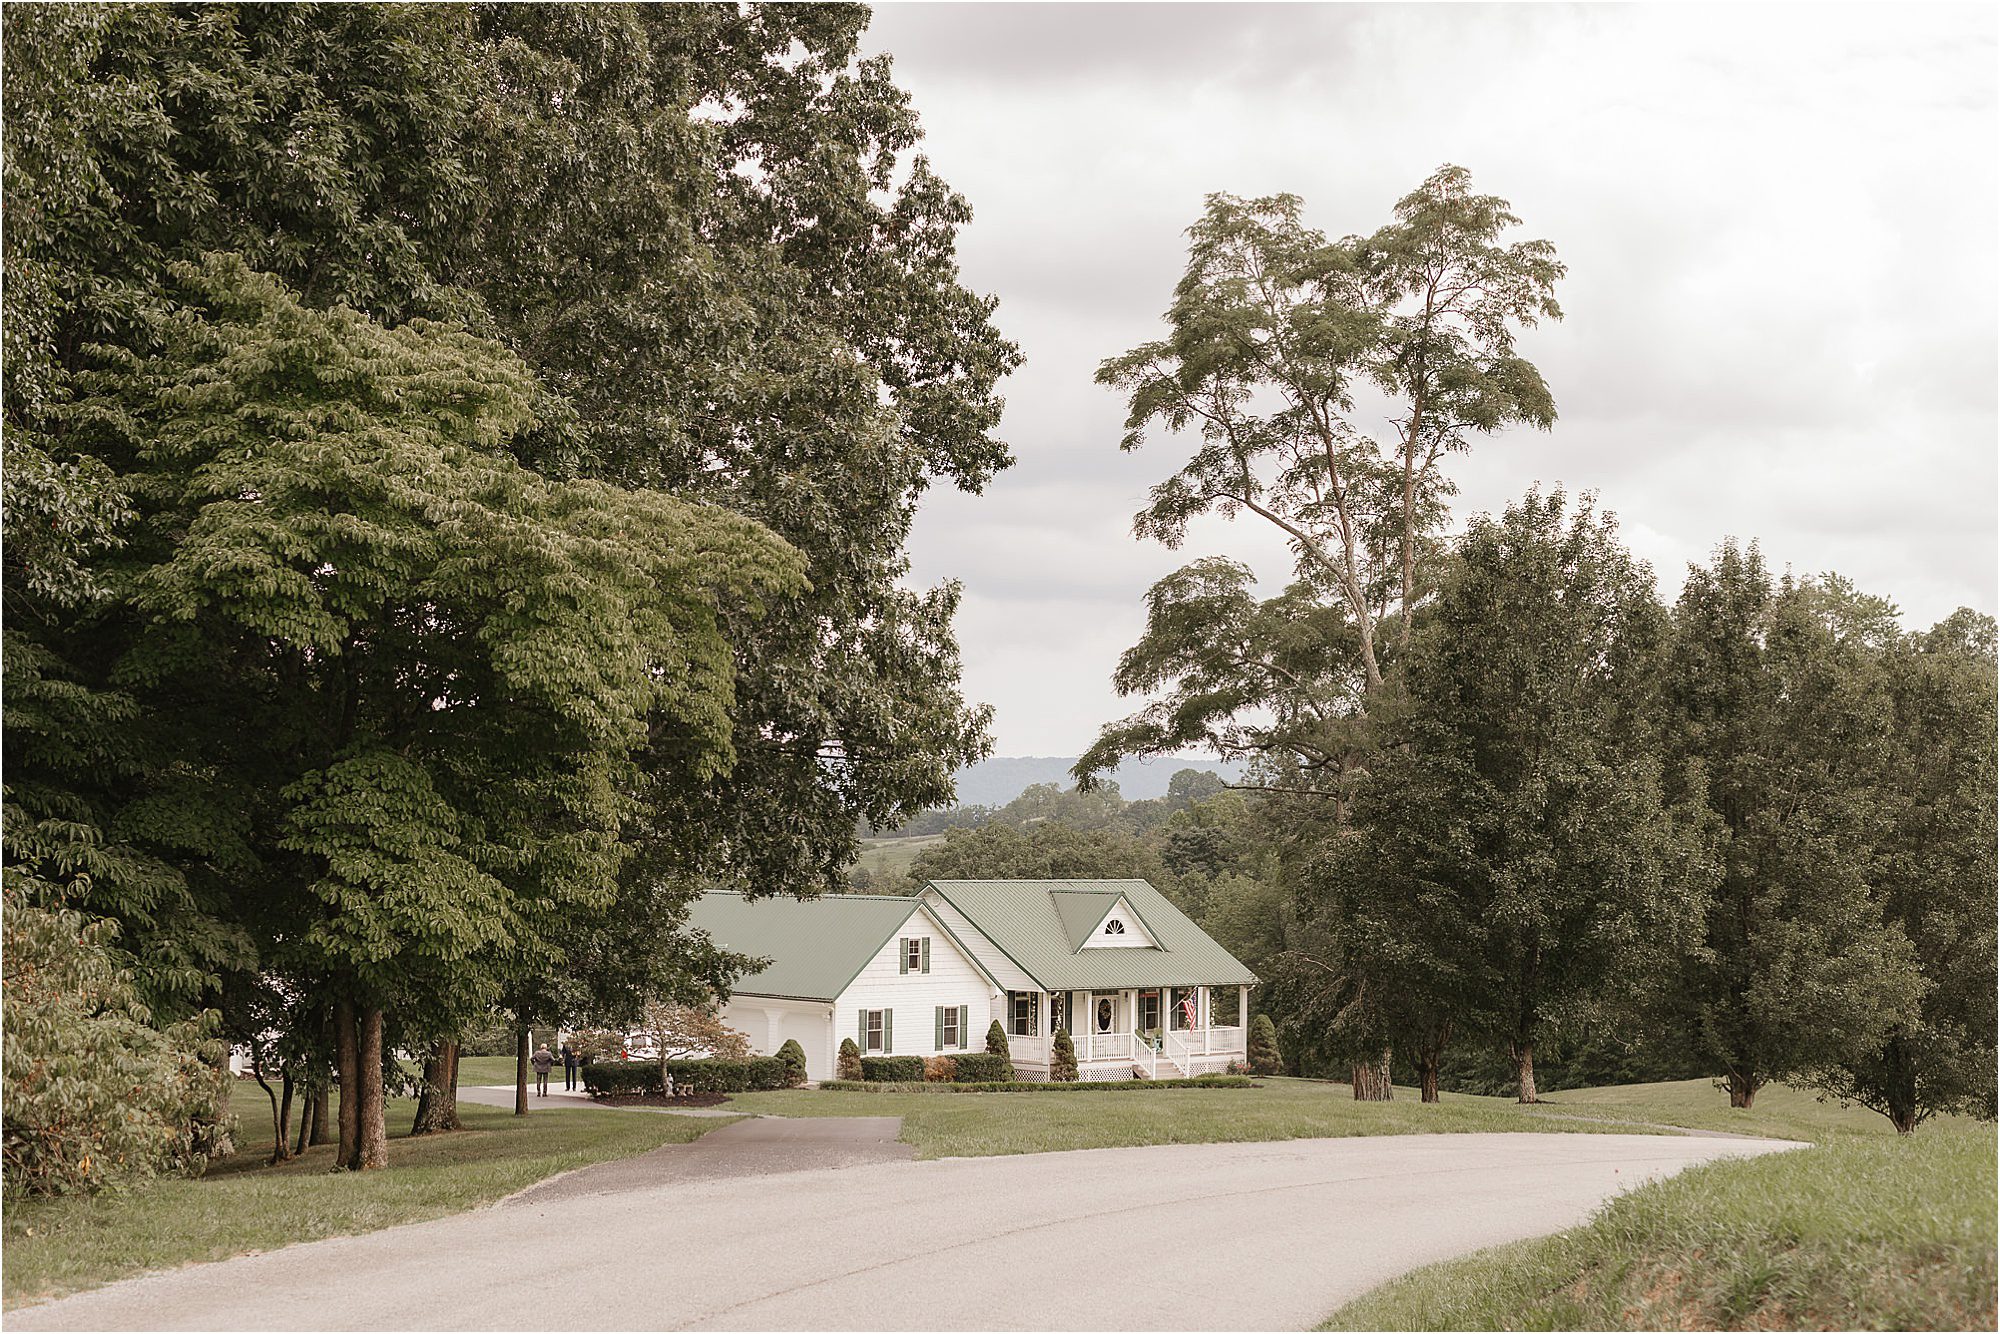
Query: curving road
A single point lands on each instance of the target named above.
(784, 1224)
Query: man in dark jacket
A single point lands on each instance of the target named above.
(569, 1067)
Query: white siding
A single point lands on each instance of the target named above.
(768, 1021)
(915, 997)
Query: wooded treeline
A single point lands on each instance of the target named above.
(458, 460)
(1512, 800)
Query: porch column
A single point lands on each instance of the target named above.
(1243, 1018)
(1201, 1015)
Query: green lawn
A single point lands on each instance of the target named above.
(64, 1245)
(1779, 1112)
(941, 1124)
(1864, 1231)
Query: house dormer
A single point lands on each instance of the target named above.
(1099, 921)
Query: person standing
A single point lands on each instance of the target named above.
(542, 1060)
(569, 1067)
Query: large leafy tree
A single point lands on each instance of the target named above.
(1272, 331)
(1523, 828)
(1777, 706)
(404, 674)
(1281, 345)
(760, 306)
(1934, 874)
(702, 230)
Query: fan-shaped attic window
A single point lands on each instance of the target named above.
(1114, 927)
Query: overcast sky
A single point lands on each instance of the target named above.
(1780, 225)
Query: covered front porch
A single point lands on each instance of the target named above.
(1149, 1032)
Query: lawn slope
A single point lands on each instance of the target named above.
(1864, 1231)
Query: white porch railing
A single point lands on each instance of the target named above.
(1106, 1047)
(1144, 1057)
(1034, 1050)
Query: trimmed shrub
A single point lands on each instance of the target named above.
(940, 1069)
(849, 1064)
(1239, 1067)
(893, 1069)
(983, 1067)
(1264, 1057)
(1062, 1059)
(794, 1057)
(605, 1078)
(996, 1045)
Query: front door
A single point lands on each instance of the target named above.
(1104, 1013)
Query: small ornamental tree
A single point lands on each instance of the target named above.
(794, 1057)
(1264, 1057)
(849, 1064)
(996, 1045)
(1062, 1064)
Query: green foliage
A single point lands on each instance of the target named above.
(97, 1096)
(1271, 329)
(848, 1065)
(315, 686)
(893, 1069)
(608, 1078)
(1062, 1058)
(996, 1044)
(1933, 870)
(1263, 1050)
(1776, 725)
(983, 1067)
(794, 1057)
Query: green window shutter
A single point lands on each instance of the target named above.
(888, 1031)
(962, 1015)
(938, 1043)
(861, 1040)
(903, 955)
(927, 953)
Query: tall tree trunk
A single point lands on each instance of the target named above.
(1900, 1098)
(280, 1149)
(1427, 1077)
(1524, 1059)
(350, 1083)
(308, 1109)
(521, 1071)
(437, 1105)
(1371, 1080)
(320, 1134)
(283, 1141)
(371, 1149)
(1743, 1088)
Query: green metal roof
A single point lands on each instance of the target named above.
(816, 946)
(1028, 921)
(1081, 910)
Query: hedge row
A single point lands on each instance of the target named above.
(603, 1078)
(1017, 1086)
(892, 1069)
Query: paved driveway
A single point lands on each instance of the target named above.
(1208, 1236)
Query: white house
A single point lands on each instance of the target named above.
(1134, 981)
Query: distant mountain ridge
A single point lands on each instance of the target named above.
(997, 781)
